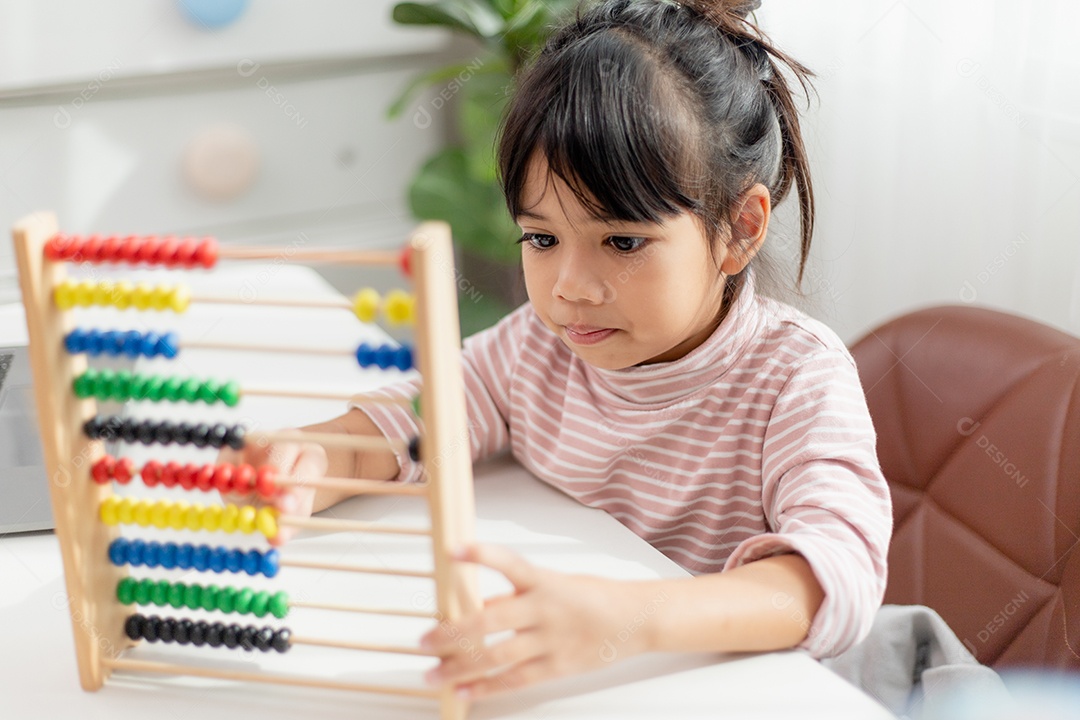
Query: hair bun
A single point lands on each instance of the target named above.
(737, 8)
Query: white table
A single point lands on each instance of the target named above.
(38, 677)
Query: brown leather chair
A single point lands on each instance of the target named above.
(978, 420)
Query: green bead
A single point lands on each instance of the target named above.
(143, 590)
(176, 595)
(138, 387)
(209, 597)
(243, 601)
(155, 388)
(103, 384)
(160, 593)
(125, 590)
(226, 599)
(230, 393)
(208, 391)
(189, 390)
(193, 596)
(83, 385)
(260, 603)
(171, 389)
(416, 405)
(279, 604)
(121, 386)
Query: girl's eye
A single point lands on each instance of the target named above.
(538, 241)
(627, 244)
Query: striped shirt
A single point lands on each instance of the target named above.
(756, 443)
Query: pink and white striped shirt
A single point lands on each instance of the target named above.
(756, 443)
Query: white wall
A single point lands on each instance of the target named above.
(946, 155)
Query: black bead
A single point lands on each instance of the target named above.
(231, 636)
(133, 626)
(110, 429)
(151, 628)
(213, 634)
(182, 433)
(264, 639)
(234, 438)
(128, 430)
(247, 637)
(167, 630)
(92, 428)
(163, 434)
(198, 435)
(182, 633)
(146, 432)
(198, 633)
(282, 640)
(216, 436)
(414, 449)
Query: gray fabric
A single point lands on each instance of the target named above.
(914, 665)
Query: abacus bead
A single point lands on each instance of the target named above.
(129, 249)
(247, 637)
(166, 251)
(141, 513)
(148, 249)
(405, 261)
(159, 515)
(103, 293)
(211, 518)
(184, 556)
(166, 630)
(168, 555)
(159, 595)
(260, 604)
(199, 435)
(103, 383)
(54, 248)
(234, 438)
(110, 430)
(366, 305)
(64, 295)
(182, 433)
(223, 477)
(200, 559)
(183, 631)
(152, 554)
(266, 522)
(252, 562)
(118, 551)
(94, 342)
(170, 473)
(110, 247)
(125, 591)
(234, 560)
(243, 481)
(123, 471)
(208, 391)
(177, 595)
(142, 296)
(244, 599)
(152, 628)
(217, 559)
(155, 388)
(384, 356)
(185, 477)
(403, 359)
(126, 511)
(135, 552)
(149, 345)
(229, 517)
(178, 515)
(132, 345)
(264, 638)
(151, 473)
(282, 640)
(83, 293)
(246, 522)
(207, 253)
(365, 355)
(204, 478)
(193, 517)
(108, 510)
(179, 299)
(83, 385)
(279, 604)
(102, 470)
(128, 429)
(185, 253)
(209, 597)
(216, 436)
(230, 393)
(163, 431)
(143, 589)
(226, 600)
(75, 341)
(89, 250)
(230, 635)
(414, 449)
(214, 633)
(270, 563)
(265, 482)
(193, 596)
(138, 387)
(121, 386)
(159, 298)
(168, 345)
(198, 633)
(133, 627)
(399, 307)
(171, 389)
(92, 427)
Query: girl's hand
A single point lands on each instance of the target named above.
(562, 624)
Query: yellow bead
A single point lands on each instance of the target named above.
(84, 293)
(64, 295)
(229, 517)
(109, 508)
(211, 518)
(125, 511)
(122, 294)
(366, 305)
(246, 522)
(141, 295)
(193, 517)
(159, 298)
(141, 513)
(400, 307)
(159, 514)
(176, 515)
(266, 522)
(179, 298)
(103, 293)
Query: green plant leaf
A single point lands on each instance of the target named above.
(482, 103)
(472, 17)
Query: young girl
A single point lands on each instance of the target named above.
(641, 157)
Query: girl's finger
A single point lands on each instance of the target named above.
(508, 612)
(471, 666)
(519, 571)
(527, 673)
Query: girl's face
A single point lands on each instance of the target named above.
(618, 294)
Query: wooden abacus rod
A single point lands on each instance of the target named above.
(272, 679)
(318, 523)
(362, 609)
(356, 442)
(254, 347)
(367, 647)
(273, 302)
(358, 486)
(301, 394)
(366, 570)
(358, 257)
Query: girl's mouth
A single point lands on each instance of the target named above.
(585, 335)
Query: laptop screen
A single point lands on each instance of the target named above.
(24, 492)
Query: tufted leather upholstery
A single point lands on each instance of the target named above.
(978, 421)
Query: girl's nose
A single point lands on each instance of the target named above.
(577, 282)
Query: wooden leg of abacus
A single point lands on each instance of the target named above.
(89, 577)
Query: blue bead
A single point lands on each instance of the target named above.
(365, 355)
(149, 344)
(111, 342)
(135, 552)
(93, 342)
(384, 356)
(118, 551)
(270, 563)
(132, 343)
(152, 554)
(403, 358)
(183, 556)
(168, 345)
(252, 561)
(75, 342)
(234, 560)
(200, 558)
(217, 559)
(168, 555)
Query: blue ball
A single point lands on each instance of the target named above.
(118, 549)
(384, 356)
(217, 559)
(234, 560)
(168, 345)
(75, 342)
(270, 563)
(132, 343)
(365, 355)
(152, 554)
(135, 552)
(403, 358)
(183, 556)
(252, 562)
(149, 344)
(168, 555)
(93, 342)
(112, 342)
(200, 558)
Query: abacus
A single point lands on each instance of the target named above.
(89, 513)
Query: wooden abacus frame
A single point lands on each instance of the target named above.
(97, 618)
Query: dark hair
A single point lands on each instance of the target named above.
(648, 108)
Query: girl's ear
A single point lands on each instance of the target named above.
(748, 228)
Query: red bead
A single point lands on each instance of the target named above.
(72, 249)
(207, 252)
(170, 474)
(129, 249)
(148, 249)
(185, 253)
(54, 249)
(243, 481)
(204, 478)
(91, 250)
(186, 476)
(166, 251)
(102, 471)
(266, 482)
(223, 477)
(405, 261)
(110, 248)
(152, 473)
(123, 471)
